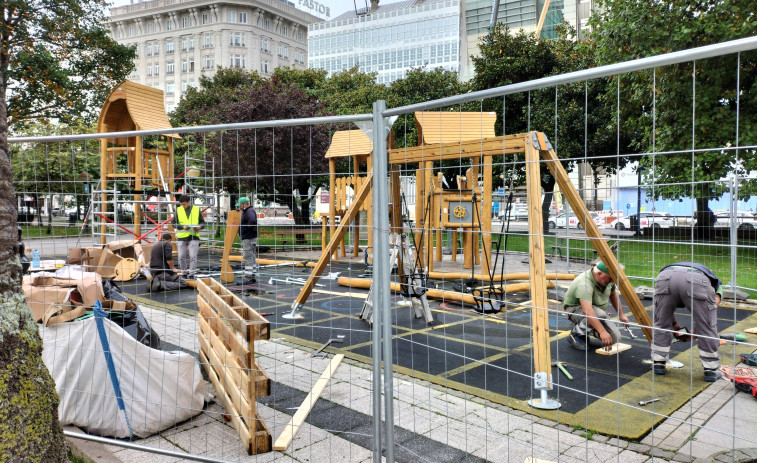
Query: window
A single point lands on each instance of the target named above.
(132, 31)
(184, 86)
(243, 18)
(184, 42)
(170, 88)
(169, 47)
(204, 18)
(169, 67)
(169, 24)
(157, 69)
(156, 48)
(149, 70)
(208, 41)
(265, 45)
(285, 30)
(301, 36)
(191, 64)
(232, 16)
(265, 67)
(283, 51)
(191, 43)
(236, 39)
(237, 61)
(148, 49)
(149, 28)
(185, 22)
(208, 62)
(267, 24)
(183, 65)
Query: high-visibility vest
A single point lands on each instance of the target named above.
(193, 220)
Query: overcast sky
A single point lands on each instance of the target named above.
(337, 7)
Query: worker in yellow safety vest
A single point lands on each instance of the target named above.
(188, 222)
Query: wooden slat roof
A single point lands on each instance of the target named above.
(346, 143)
(449, 127)
(144, 105)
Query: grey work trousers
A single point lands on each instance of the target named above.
(583, 328)
(188, 250)
(169, 281)
(249, 249)
(679, 287)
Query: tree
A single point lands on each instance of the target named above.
(55, 61)
(278, 164)
(576, 117)
(686, 112)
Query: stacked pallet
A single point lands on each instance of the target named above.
(228, 331)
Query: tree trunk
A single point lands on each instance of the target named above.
(50, 215)
(705, 219)
(30, 428)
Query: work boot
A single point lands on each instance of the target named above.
(712, 374)
(659, 367)
(578, 341)
(154, 285)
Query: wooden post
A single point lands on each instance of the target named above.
(103, 186)
(233, 220)
(538, 282)
(437, 214)
(332, 199)
(595, 236)
(139, 171)
(476, 212)
(356, 244)
(419, 206)
(369, 200)
(487, 215)
(427, 232)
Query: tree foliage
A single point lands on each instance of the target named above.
(272, 162)
(685, 106)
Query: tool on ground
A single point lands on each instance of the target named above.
(630, 333)
(647, 402)
(292, 281)
(320, 353)
(265, 314)
(749, 359)
(682, 335)
(562, 368)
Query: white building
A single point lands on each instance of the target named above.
(390, 39)
(178, 41)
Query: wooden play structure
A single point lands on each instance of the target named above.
(455, 136)
(227, 335)
(132, 106)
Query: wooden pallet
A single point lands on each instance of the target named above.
(227, 334)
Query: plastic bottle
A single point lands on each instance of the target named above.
(35, 259)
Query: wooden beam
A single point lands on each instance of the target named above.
(299, 417)
(509, 144)
(595, 236)
(538, 282)
(232, 225)
(542, 17)
(336, 237)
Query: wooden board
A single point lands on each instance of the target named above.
(299, 417)
(614, 349)
(232, 225)
(751, 330)
(126, 270)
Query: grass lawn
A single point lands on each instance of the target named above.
(40, 231)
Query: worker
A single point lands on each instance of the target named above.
(164, 274)
(586, 305)
(695, 287)
(188, 222)
(248, 232)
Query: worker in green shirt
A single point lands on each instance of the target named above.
(586, 304)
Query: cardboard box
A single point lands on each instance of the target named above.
(93, 260)
(41, 298)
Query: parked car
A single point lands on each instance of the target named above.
(648, 219)
(744, 220)
(560, 220)
(517, 212)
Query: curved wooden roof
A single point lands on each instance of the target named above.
(450, 127)
(133, 106)
(346, 143)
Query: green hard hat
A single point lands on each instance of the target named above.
(241, 201)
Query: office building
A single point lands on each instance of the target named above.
(521, 14)
(181, 40)
(390, 39)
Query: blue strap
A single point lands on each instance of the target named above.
(99, 316)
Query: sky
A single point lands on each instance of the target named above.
(337, 7)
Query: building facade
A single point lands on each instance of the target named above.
(390, 39)
(178, 41)
(521, 14)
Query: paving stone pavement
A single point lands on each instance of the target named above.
(450, 421)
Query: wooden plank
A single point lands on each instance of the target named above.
(596, 238)
(442, 126)
(486, 212)
(614, 349)
(228, 337)
(497, 146)
(294, 424)
(334, 241)
(542, 16)
(257, 441)
(332, 200)
(538, 281)
(222, 307)
(347, 143)
(232, 225)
